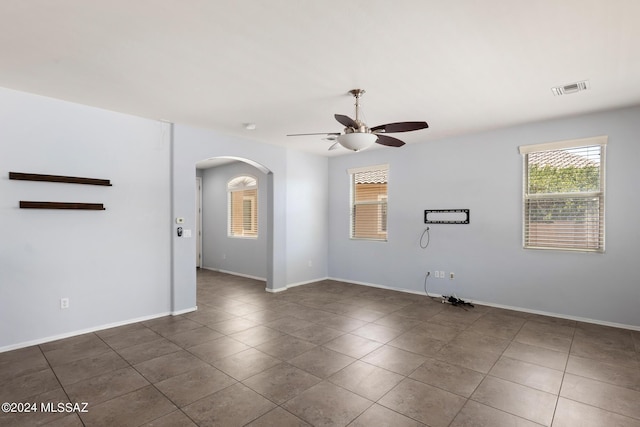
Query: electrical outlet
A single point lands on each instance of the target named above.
(452, 275)
(442, 276)
(436, 274)
(64, 303)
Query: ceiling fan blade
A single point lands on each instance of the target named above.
(400, 127)
(389, 141)
(321, 133)
(346, 121)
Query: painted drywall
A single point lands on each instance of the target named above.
(307, 217)
(113, 265)
(483, 173)
(241, 256)
(191, 144)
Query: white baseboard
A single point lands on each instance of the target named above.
(293, 285)
(80, 332)
(234, 273)
(506, 307)
(185, 311)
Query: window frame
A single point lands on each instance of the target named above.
(382, 202)
(600, 194)
(248, 191)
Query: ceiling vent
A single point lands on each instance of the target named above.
(571, 88)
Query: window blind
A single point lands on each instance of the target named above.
(564, 195)
(243, 207)
(369, 202)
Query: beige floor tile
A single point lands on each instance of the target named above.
(419, 342)
(132, 409)
(525, 402)
(317, 334)
(427, 404)
(538, 355)
(321, 361)
(75, 348)
(281, 382)
(192, 385)
(21, 362)
(475, 414)
(129, 337)
(468, 357)
(456, 379)
(78, 370)
(529, 374)
(278, 417)
(623, 376)
(194, 336)
(167, 366)
(256, 335)
(570, 414)
(246, 363)
(286, 347)
(395, 359)
(236, 405)
(367, 380)
(217, 349)
(380, 416)
(605, 396)
(148, 350)
(18, 388)
(327, 405)
(106, 386)
(174, 419)
(397, 321)
(379, 333)
(352, 345)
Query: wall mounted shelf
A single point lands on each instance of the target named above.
(58, 178)
(61, 205)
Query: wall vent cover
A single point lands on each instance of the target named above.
(571, 88)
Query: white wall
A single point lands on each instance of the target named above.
(243, 256)
(113, 265)
(483, 172)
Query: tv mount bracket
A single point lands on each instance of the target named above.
(446, 216)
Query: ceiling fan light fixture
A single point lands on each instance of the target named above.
(357, 141)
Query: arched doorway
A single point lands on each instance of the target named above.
(245, 251)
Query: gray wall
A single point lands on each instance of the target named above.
(113, 265)
(243, 256)
(307, 217)
(192, 144)
(483, 172)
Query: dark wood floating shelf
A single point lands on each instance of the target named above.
(58, 178)
(61, 205)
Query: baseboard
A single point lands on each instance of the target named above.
(80, 332)
(293, 285)
(234, 273)
(506, 307)
(185, 311)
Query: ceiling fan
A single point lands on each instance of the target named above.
(357, 136)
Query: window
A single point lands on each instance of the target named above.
(563, 203)
(369, 202)
(243, 206)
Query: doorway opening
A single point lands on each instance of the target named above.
(218, 249)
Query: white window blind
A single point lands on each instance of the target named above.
(369, 202)
(243, 207)
(564, 195)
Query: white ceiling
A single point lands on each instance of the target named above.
(287, 65)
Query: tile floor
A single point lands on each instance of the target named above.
(331, 354)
